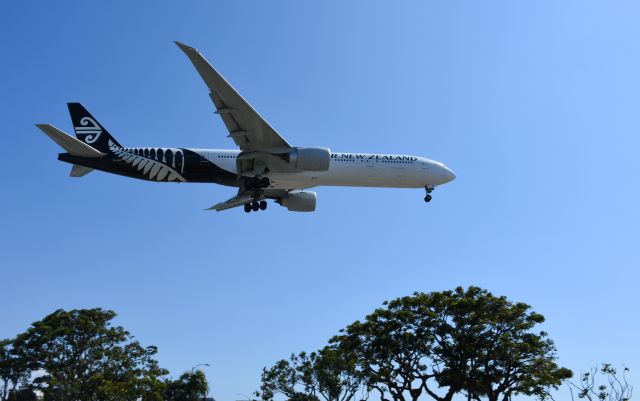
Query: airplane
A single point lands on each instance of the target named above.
(265, 167)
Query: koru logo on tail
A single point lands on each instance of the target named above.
(90, 128)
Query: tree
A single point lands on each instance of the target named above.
(282, 378)
(85, 358)
(305, 377)
(614, 387)
(334, 374)
(392, 347)
(13, 371)
(22, 394)
(303, 397)
(461, 341)
(191, 386)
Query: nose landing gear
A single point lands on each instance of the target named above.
(428, 197)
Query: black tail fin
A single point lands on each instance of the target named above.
(89, 130)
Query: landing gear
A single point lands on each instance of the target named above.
(257, 183)
(254, 206)
(428, 197)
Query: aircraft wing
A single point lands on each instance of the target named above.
(245, 197)
(246, 127)
(238, 200)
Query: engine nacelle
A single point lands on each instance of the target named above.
(299, 201)
(310, 159)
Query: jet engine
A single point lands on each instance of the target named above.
(299, 201)
(309, 159)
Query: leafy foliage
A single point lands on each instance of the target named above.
(191, 386)
(22, 394)
(612, 387)
(79, 355)
(306, 377)
(450, 342)
(83, 358)
(13, 371)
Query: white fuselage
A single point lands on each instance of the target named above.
(350, 169)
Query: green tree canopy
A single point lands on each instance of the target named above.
(445, 343)
(85, 358)
(328, 374)
(22, 394)
(191, 386)
(14, 371)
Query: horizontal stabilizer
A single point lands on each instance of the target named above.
(79, 171)
(72, 145)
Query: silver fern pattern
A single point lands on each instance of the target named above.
(147, 163)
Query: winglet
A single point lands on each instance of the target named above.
(183, 47)
(69, 143)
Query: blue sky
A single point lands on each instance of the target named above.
(533, 104)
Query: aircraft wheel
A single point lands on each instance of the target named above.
(263, 205)
(247, 207)
(255, 206)
(427, 198)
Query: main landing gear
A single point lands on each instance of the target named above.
(428, 197)
(257, 183)
(255, 206)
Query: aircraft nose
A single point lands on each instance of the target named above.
(447, 174)
(450, 174)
